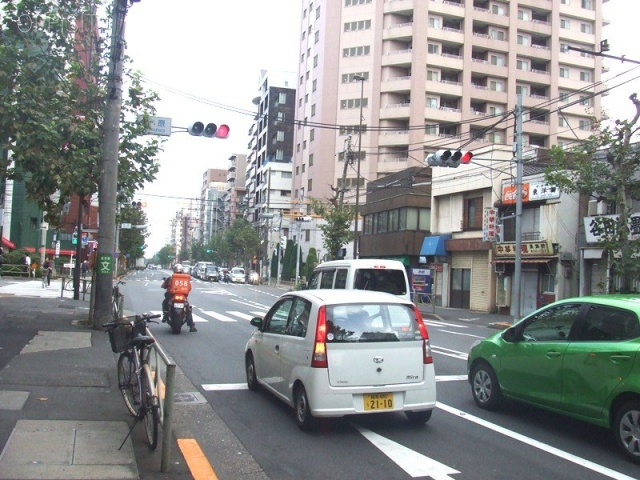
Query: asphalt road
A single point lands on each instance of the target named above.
(460, 440)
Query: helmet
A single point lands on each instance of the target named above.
(177, 268)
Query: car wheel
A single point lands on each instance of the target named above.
(250, 369)
(304, 419)
(419, 418)
(627, 430)
(485, 387)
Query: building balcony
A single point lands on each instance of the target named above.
(397, 57)
(448, 35)
(444, 87)
(402, 31)
(395, 111)
(396, 84)
(447, 7)
(393, 138)
(484, 67)
(446, 61)
(400, 7)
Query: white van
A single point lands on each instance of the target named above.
(378, 275)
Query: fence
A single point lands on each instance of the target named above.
(67, 285)
(14, 270)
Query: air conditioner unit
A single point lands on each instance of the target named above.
(500, 267)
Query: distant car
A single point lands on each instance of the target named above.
(200, 269)
(577, 356)
(211, 273)
(330, 353)
(237, 275)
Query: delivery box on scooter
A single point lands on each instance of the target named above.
(180, 283)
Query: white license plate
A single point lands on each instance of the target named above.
(178, 305)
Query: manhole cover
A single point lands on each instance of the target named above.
(188, 397)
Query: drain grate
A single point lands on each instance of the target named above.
(189, 397)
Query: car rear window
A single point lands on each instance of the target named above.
(371, 323)
(381, 280)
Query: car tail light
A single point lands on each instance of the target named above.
(319, 359)
(426, 345)
(178, 298)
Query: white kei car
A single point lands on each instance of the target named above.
(329, 353)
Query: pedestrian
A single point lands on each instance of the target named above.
(85, 268)
(27, 264)
(47, 269)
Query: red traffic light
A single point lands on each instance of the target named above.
(223, 131)
(466, 158)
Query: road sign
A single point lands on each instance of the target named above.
(85, 238)
(159, 126)
(44, 226)
(105, 264)
(125, 225)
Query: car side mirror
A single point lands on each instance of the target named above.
(510, 335)
(256, 322)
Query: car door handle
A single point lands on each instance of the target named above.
(620, 358)
(553, 354)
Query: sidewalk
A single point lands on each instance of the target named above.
(492, 320)
(61, 413)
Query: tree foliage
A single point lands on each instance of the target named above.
(606, 168)
(132, 240)
(336, 232)
(53, 67)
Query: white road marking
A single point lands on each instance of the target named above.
(219, 292)
(449, 353)
(451, 378)
(436, 323)
(250, 303)
(239, 314)
(218, 316)
(258, 314)
(412, 462)
(535, 443)
(463, 334)
(196, 318)
(219, 387)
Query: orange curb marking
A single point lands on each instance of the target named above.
(196, 460)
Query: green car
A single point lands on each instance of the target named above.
(577, 356)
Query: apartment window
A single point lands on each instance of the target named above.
(280, 136)
(349, 77)
(565, 2)
(587, 4)
(311, 160)
(564, 72)
(304, 14)
(285, 174)
(318, 12)
(314, 85)
(312, 134)
(301, 79)
(498, 9)
(433, 48)
(356, 51)
(351, 129)
(496, 85)
(585, 76)
(585, 125)
(431, 129)
(313, 110)
(353, 103)
(315, 61)
(564, 97)
(298, 148)
(473, 213)
(297, 171)
(433, 75)
(302, 58)
(300, 102)
(562, 122)
(564, 48)
(304, 168)
(435, 22)
(304, 34)
(309, 185)
(359, 25)
(306, 98)
(524, 40)
(350, 3)
(431, 102)
(564, 23)
(498, 60)
(279, 154)
(522, 65)
(307, 75)
(282, 98)
(522, 90)
(497, 34)
(304, 145)
(586, 28)
(316, 36)
(496, 110)
(524, 15)
(586, 101)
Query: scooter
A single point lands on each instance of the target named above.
(179, 312)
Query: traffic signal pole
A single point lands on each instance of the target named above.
(104, 267)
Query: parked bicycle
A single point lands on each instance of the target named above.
(117, 301)
(136, 380)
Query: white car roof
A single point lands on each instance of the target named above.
(338, 296)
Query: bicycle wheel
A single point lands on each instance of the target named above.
(151, 412)
(128, 383)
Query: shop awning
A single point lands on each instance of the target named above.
(8, 243)
(434, 245)
(593, 253)
(52, 251)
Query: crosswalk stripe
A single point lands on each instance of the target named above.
(240, 314)
(219, 316)
(196, 318)
(258, 314)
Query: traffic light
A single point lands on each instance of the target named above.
(209, 130)
(447, 158)
(303, 219)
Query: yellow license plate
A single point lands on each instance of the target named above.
(378, 401)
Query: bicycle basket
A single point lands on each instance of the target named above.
(120, 337)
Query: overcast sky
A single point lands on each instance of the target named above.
(215, 50)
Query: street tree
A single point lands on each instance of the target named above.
(606, 167)
(240, 242)
(53, 68)
(132, 240)
(336, 232)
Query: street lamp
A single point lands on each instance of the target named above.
(356, 242)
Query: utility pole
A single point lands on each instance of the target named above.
(109, 169)
(517, 274)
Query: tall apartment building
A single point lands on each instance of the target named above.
(430, 74)
(268, 173)
(235, 195)
(212, 192)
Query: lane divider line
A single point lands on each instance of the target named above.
(197, 462)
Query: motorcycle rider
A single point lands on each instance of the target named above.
(166, 284)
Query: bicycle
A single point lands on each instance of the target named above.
(136, 381)
(117, 301)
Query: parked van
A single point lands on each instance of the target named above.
(378, 275)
